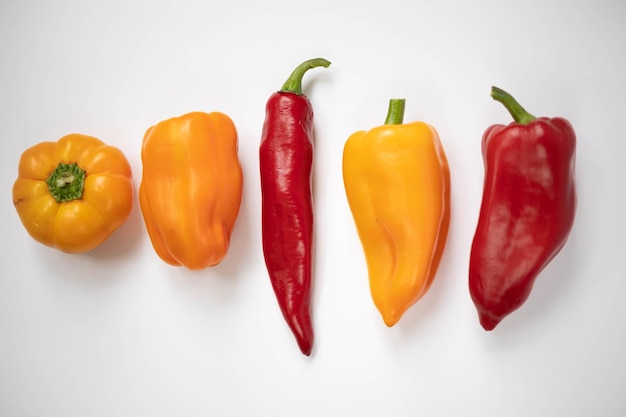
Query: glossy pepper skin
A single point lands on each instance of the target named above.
(527, 209)
(191, 188)
(397, 183)
(286, 157)
(73, 193)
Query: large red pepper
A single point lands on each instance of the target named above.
(286, 157)
(527, 211)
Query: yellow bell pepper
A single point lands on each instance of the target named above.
(73, 193)
(191, 188)
(397, 183)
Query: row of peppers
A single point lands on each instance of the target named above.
(73, 193)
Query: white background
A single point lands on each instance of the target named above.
(117, 332)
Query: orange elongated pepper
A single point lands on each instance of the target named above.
(397, 183)
(191, 188)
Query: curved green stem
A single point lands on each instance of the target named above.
(67, 182)
(520, 115)
(294, 82)
(395, 112)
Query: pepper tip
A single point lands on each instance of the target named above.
(391, 318)
(306, 348)
(487, 321)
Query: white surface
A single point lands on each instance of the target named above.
(117, 332)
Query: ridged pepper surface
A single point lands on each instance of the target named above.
(73, 193)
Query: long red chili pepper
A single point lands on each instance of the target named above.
(286, 157)
(527, 211)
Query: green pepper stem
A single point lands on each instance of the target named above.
(520, 115)
(294, 82)
(395, 112)
(67, 182)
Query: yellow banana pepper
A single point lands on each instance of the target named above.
(397, 183)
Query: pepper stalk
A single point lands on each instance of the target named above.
(66, 182)
(519, 114)
(294, 81)
(395, 112)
